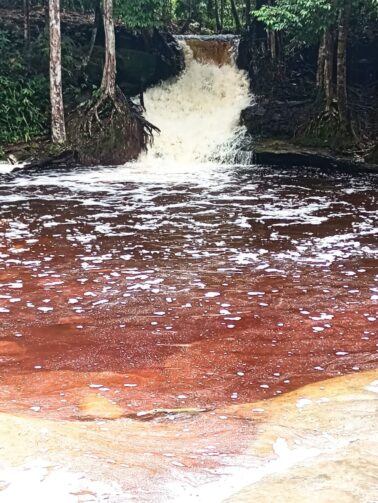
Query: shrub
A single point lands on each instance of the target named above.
(23, 108)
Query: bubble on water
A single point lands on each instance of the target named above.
(45, 309)
(17, 284)
(99, 302)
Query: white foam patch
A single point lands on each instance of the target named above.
(39, 481)
(373, 386)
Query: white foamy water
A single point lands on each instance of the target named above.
(198, 114)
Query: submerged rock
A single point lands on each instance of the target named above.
(95, 406)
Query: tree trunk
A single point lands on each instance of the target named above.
(235, 15)
(47, 8)
(341, 88)
(247, 13)
(328, 70)
(58, 129)
(27, 24)
(321, 63)
(93, 35)
(272, 44)
(108, 84)
(216, 14)
(222, 14)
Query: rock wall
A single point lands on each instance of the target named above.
(276, 118)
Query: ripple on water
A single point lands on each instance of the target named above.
(162, 267)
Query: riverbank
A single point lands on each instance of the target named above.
(280, 152)
(42, 155)
(291, 122)
(144, 58)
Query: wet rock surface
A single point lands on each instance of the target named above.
(275, 118)
(314, 445)
(282, 152)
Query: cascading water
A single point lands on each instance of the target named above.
(198, 114)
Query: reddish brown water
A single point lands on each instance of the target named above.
(180, 288)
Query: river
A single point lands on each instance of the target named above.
(180, 292)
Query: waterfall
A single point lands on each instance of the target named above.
(198, 113)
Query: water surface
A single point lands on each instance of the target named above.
(183, 286)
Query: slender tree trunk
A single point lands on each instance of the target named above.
(272, 44)
(93, 35)
(222, 15)
(328, 70)
(216, 14)
(342, 40)
(108, 84)
(58, 129)
(27, 24)
(321, 63)
(235, 15)
(247, 13)
(47, 8)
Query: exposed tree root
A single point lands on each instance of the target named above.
(110, 129)
(326, 128)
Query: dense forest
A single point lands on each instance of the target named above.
(63, 74)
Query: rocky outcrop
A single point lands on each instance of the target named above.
(146, 58)
(288, 154)
(275, 118)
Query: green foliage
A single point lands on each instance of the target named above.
(23, 97)
(24, 84)
(140, 13)
(302, 20)
(23, 108)
(11, 56)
